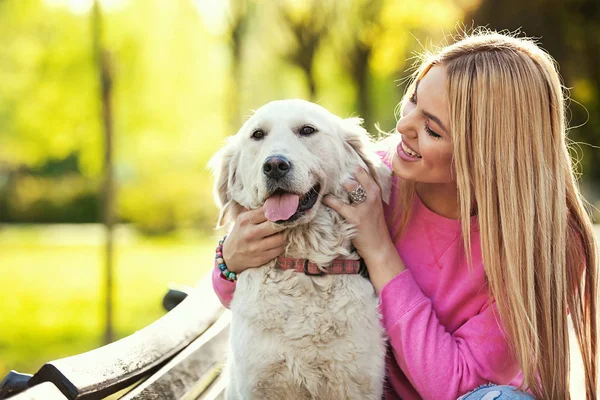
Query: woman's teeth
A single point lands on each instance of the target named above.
(409, 151)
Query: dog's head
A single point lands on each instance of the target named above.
(287, 156)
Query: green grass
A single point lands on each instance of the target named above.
(52, 287)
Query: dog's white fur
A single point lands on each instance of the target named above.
(295, 336)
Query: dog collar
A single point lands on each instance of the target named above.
(337, 266)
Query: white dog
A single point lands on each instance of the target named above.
(298, 336)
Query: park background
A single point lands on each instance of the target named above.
(169, 80)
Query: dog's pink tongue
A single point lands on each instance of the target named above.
(281, 206)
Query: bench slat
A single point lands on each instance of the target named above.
(189, 373)
(44, 391)
(106, 370)
(216, 391)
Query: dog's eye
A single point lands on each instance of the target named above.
(307, 130)
(258, 134)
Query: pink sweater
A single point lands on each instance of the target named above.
(444, 338)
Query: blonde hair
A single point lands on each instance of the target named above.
(512, 164)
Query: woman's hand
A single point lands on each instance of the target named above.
(367, 217)
(372, 239)
(253, 241)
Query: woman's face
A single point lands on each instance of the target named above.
(425, 153)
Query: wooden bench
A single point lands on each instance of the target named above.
(180, 356)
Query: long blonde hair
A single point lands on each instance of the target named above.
(511, 161)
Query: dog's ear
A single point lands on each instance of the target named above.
(223, 166)
(359, 140)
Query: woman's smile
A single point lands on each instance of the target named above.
(406, 153)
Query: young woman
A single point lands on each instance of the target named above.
(486, 247)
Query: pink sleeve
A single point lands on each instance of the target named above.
(223, 288)
(439, 364)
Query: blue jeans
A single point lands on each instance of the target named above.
(496, 392)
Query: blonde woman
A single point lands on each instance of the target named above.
(486, 248)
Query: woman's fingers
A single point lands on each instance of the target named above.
(337, 205)
(266, 228)
(273, 241)
(349, 211)
(350, 184)
(254, 217)
(261, 226)
(366, 181)
(271, 254)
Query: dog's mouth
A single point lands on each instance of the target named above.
(282, 206)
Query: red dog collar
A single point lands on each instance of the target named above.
(337, 266)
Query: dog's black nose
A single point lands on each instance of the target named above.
(276, 167)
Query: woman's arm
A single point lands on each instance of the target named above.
(223, 287)
(252, 242)
(439, 364)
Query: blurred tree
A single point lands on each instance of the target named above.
(359, 24)
(306, 22)
(238, 19)
(49, 193)
(166, 115)
(47, 98)
(376, 41)
(105, 79)
(46, 114)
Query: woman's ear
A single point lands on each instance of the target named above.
(223, 166)
(358, 139)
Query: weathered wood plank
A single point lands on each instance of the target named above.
(216, 391)
(44, 391)
(189, 373)
(106, 370)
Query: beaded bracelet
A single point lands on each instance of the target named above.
(230, 276)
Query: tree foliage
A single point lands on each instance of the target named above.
(188, 72)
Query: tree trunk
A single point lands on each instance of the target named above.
(361, 77)
(232, 97)
(105, 79)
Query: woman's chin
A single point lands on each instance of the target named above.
(401, 170)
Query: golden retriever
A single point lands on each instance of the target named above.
(297, 336)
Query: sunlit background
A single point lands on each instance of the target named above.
(183, 74)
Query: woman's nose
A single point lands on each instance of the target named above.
(406, 127)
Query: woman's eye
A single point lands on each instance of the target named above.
(307, 130)
(432, 133)
(258, 134)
